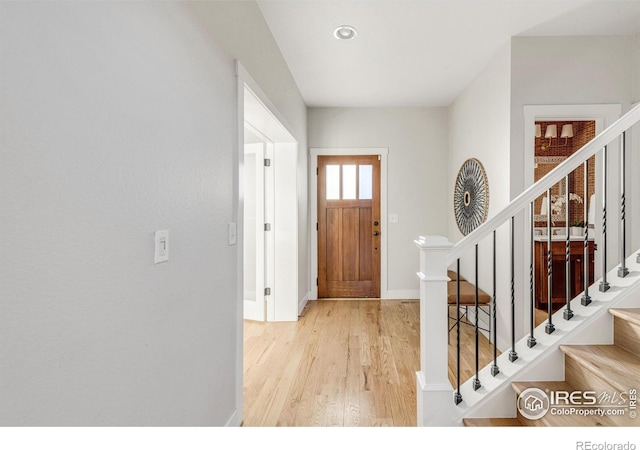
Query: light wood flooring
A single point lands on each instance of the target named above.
(344, 363)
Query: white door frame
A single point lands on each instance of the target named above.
(603, 115)
(313, 207)
(259, 112)
(273, 126)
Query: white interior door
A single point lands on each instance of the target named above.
(254, 232)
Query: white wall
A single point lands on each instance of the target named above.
(117, 119)
(417, 172)
(568, 71)
(240, 27)
(479, 127)
(565, 71)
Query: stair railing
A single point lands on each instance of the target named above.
(435, 395)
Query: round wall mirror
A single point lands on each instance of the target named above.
(471, 196)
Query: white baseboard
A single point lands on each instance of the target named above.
(401, 295)
(389, 295)
(302, 303)
(234, 420)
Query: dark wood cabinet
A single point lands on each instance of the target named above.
(558, 265)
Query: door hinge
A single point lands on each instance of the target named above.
(267, 162)
(267, 291)
(316, 281)
(267, 227)
(317, 171)
(379, 157)
(317, 226)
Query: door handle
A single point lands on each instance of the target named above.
(376, 233)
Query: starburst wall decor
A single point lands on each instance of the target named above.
(471, 196)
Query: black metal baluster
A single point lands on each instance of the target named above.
(549, 327)
(457, 396)
(476, 381)
(495, 370)
(586, 299)
(531, 341)
(567, 314)
(623, 271)
(604, 284)
(513, 355)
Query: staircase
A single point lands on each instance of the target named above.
(586, 355)
(610, 374)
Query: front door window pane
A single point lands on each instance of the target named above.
(366, 182)
(333, 182)
(349, 182)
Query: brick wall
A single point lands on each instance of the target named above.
(550, 154)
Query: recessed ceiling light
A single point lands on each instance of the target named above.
(345, 32)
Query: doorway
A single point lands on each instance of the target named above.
(349, 229)
(602, 116)
(381, 154)
(555, 141)
(272, 239)
(259, 122)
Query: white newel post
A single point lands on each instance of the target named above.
(435, 393)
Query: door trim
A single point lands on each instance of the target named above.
(313, 207)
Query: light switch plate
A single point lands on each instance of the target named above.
(393, 218)
(161, 239)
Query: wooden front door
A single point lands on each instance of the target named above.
(348, 226)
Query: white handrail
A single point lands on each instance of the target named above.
(545, 183)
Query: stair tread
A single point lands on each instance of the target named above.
(629, 314)
(611, 362)
(493, 422)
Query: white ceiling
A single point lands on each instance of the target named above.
(419, 52)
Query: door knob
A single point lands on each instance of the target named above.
(375, 224)
(375, 233)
